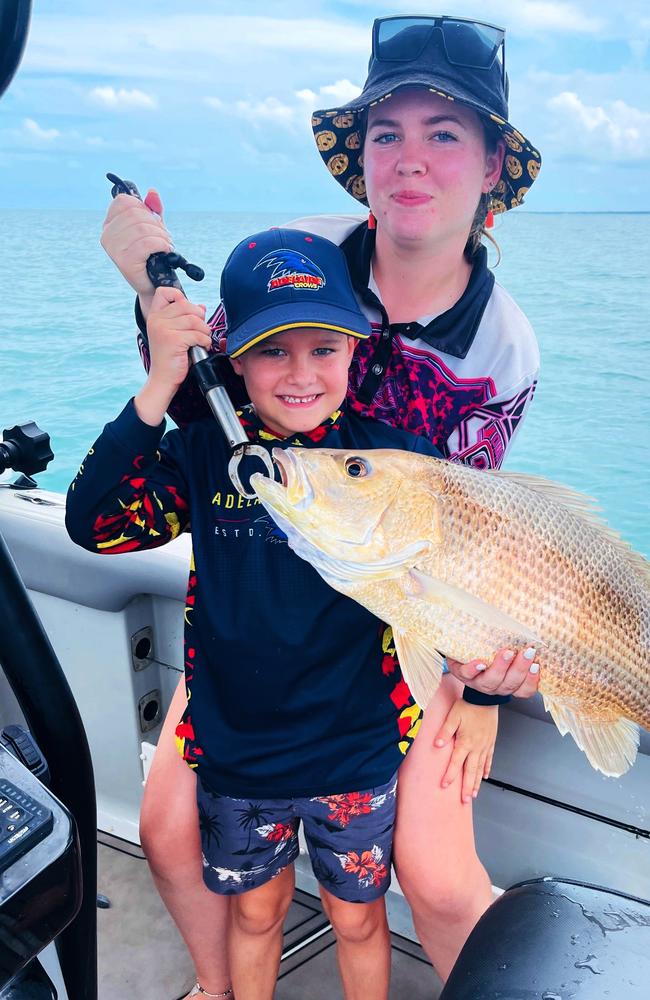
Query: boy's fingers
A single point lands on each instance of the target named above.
(447, 729)
(454, 766)
(470, 772)
(166, 296)
(478, 777)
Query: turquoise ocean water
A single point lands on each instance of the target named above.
(69, 359)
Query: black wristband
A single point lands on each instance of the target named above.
(474, 697)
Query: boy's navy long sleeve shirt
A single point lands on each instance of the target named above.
(293, 689)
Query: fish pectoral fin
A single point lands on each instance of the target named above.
(347, 571)
(610, 744)
(430, 589)
(421, 664)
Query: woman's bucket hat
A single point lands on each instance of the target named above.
(417, 54)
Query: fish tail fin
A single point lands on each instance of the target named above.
(421, 665)
(611, 745)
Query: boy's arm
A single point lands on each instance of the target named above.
(130, 492)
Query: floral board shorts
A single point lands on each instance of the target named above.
(246, 843)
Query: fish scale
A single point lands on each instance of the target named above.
(463, 562)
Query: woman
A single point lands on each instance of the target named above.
(428, 147)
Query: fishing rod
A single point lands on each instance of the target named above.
(161, 270)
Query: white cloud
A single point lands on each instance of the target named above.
(332, 95)
(41, 135)
(289, 115)
(616, 132)
(122, 100)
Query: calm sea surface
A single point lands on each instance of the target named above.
(69, 359)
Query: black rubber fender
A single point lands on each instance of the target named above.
(556, 939)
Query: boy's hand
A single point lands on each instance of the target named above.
(132, 231)
(473, 729)
(174, 325)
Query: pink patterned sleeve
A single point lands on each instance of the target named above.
(484, 435)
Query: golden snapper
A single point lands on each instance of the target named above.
(463, 562)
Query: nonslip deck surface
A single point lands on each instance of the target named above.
(142, 955)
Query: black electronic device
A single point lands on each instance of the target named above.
(40, 872)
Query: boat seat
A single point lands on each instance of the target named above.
(552, 939)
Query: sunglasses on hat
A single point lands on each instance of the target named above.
(472, 44)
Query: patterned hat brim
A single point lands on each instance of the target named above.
(338, 139)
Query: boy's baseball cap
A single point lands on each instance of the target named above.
(285, 278)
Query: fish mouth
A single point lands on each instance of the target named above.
(293, 492)
(299, 491)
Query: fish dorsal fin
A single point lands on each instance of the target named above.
(421, 664)
(610, 744)
(430, 589)
(582, 506)
(558, 492)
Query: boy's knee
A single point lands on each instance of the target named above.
(259, 914)
(355, 923)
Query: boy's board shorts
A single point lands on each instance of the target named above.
(246, 842)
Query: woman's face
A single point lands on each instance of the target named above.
(426, 166)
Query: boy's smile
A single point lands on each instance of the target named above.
(297, 378)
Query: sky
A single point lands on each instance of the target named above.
(210, 101)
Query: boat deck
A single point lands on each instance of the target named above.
(141, 954)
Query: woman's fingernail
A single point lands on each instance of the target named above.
(445, 784)
(529, 653)
(440, 743)
(534, 668)
(508, 654)
(474, 795)
(481, 666)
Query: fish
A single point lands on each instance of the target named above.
(462, 562)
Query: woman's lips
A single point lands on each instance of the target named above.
(411, 197)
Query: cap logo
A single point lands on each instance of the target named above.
(291, 268)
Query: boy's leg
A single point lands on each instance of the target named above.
(362, 946)
(255, 936)
(435, 857)
(350, 838)
(248, 848)
(169, 833)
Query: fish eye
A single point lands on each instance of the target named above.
(357, 467)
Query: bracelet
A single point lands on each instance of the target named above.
(198, 989)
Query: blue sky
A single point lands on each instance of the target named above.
(210, 101)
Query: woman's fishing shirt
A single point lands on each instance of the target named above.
(462, 379)
(293, 689)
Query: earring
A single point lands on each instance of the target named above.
(372, 222)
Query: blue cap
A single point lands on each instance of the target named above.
(285, 278)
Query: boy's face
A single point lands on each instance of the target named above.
(297, 378)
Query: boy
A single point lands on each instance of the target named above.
(296, 707)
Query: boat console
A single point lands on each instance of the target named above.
(40, 873)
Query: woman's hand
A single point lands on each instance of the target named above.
(132, 231)
(509, 673)
(473, 728)
(174, 325)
